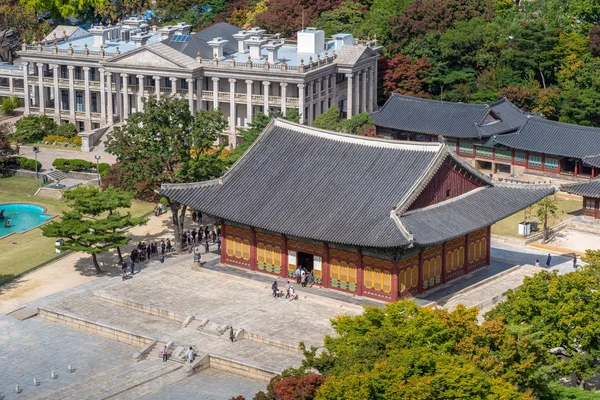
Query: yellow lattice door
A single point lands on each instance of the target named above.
(269, 257)
(438, 266)
(387, 281)
(238, 247)
(246, 250)
(402, 281)
(334, 270)
(352, 274)
(415, 277)
(377, 279)
(368, 276)
(260, 253)
(277, 256)
(230, 245)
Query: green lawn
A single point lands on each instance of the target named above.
(509, 226)
(21, 252)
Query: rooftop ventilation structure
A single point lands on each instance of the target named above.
(254, 44)
(342, 39)
(272, 50)
(140, 39)
(183, 29)
(311, 41)
(217, 45)
(241, 38)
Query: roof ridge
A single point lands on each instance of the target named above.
(444, 202)
(565, 124)
(454, 103)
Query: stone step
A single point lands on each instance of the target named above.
(114, 383)
(23, 313)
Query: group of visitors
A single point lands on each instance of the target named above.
(549, 260)
(159, 209)
(290, 294)
(303, 276)
(145, 251)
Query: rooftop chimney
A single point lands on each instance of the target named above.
(256, 31)
(311, 41)
(272, 48)
(241, 38)
(100, 35)
(140, 39)
(217, 45)
(182, 29)
(167, 31)
(254, 43)
(342, 39)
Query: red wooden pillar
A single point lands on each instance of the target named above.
(395, 272)
(576, 170)
(559, 162)
(253, 250)
(466, 260)
(488, 245)
(420, 271)
(543, 162)
(284, 258)
(443, 279)
(325, 261)
(360, 275)
(223, 242)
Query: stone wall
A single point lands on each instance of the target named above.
(242, 369)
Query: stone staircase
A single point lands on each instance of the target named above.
(123, 382)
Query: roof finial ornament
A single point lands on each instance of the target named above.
(65, 34)
(198, 56)
(117, 51)
(249, 62)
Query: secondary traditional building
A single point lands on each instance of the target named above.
(497, 137)
(590, 191)
(97, 77)
(373, 217)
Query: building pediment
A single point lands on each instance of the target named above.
(156, 56)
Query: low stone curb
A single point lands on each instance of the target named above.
(134, 305)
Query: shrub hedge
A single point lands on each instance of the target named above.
(26, 163)
(78, 165)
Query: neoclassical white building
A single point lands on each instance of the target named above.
(95, 78)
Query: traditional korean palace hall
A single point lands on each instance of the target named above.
(373, 217)
(497, 137)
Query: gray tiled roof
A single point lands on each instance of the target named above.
(475, 210)
(433, 117)
(199, 40)
(587, 189)
(555, 138)
(321, 185)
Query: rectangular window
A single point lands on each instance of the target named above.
(551, 163)
(590, 203)
(504, 154)
(520, 156)
(484, 152)
(184, 84)
(465, 147)
(535, 161)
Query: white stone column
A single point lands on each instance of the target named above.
(349, 99)
(118, 98)
(57, 96)
(71, 93)
(311, 86)
(333, 79)
(87, 100)
(370, 91)
(326, 103)
(109, 103)
(41, 88)
(199, 93)
(232, 112)
(157, 87)
(215, 93)
(266, 97)
(301, 98)
(283, 98)
(374, 86)
(363, 102)
(11, 84)
(249, 84)
(356, 94)
(140, 93)
(125, 78)
(27, 101)
(173, 86)
(103, 97)
(319, 84)
(190, 83)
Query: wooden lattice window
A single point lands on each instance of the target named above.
(334, 270)
(277, 256)
(269, 257)
(387, 281)
(246, 250)
(230, 246)
(238, 247)
(351, 274)
(260, 252)
(415, 276)
(368, 275)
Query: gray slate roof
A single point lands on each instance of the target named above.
(199, 40)
(433, 117)
(474, 210)
(587, 189)
(555, 138)
(346, 189)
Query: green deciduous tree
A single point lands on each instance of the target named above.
(62, 8)
(249, 135)
(9, 105)
(344, 19)
(165, 144)
(6, 150)
(329, 120)
(546, 210)
(560, 313)
(33, 128)
(404, 351)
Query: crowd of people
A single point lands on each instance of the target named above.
(303, 277)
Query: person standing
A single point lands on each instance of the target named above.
(169, 246)
(206, 247)
(194, 235)
(574, 261)
(537, 263)
(275, 289)
(297, 274)
(219, 244)
(124, 269)
(231, 334)
(190, 355)
(132, 266)
(165, 354)
(287, 289)
(162, 247)
(548, 260)
(303, 277)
